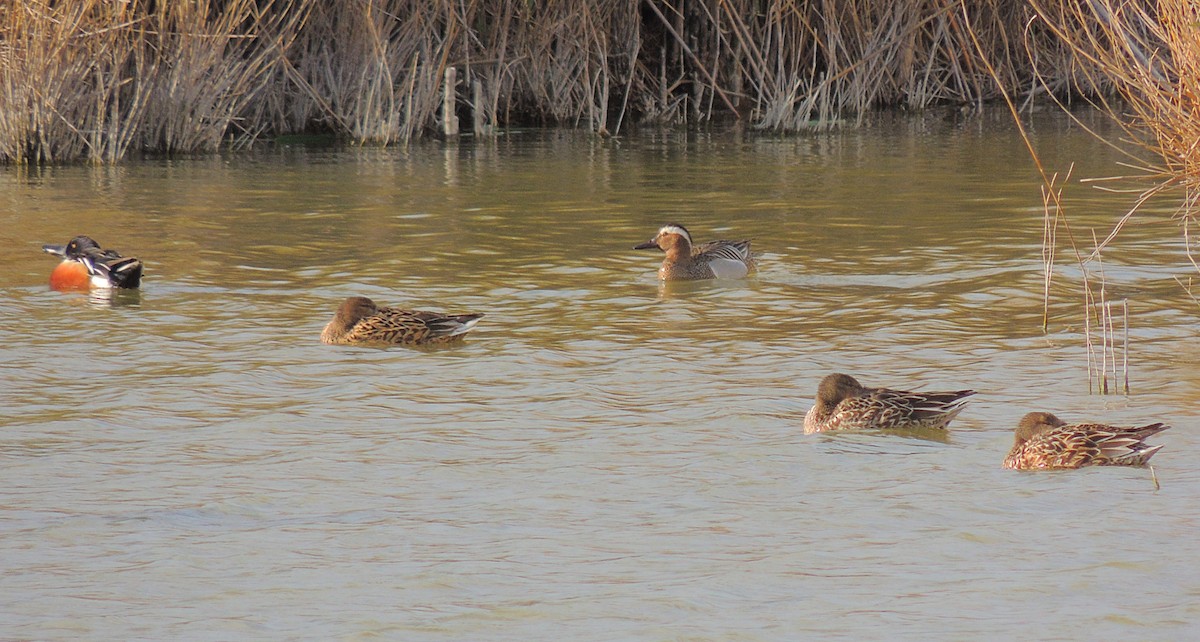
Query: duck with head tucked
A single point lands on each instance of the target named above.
(85, 264)
(359, 321)
(1045, 441)
(843, 403)
(687, 262)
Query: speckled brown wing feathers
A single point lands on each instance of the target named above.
(882, 408)
(392, 325)
(1078, 445)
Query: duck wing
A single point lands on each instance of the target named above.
(721, 249)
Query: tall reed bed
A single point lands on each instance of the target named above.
(93, 79)
(96, 79)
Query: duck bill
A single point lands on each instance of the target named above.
(57, 250)
(652, 244)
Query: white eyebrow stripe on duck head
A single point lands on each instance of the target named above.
(674, 228)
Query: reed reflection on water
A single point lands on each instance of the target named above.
(606, 456)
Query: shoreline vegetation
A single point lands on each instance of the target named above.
(97, 80)
(100, 80)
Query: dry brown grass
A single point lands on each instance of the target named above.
(1150, 54)
(96, 79)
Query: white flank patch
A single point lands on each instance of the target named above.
(728, 268)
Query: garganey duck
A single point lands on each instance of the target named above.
(359, 321)
(687, 262)
(85, 264)
(1045, 441)
(844, 404)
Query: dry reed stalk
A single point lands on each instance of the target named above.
(1110, 337)
(1092, 308)
(1125, 345)
(1122, 344)
(1103, 361)
(692, 56)
(59, 90)
(1150, 53)
(96, 78)
(211, 67)
(371, 70)
(1051, 200)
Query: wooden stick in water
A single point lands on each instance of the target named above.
(449, 118)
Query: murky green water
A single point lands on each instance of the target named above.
(604, 458)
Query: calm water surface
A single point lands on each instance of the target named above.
(604, 458)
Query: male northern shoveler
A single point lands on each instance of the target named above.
(1045, 441)
(86, 264)
(712, 260)
(844, 404)
(360, 321)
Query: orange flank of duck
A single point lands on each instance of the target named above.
(70, 275)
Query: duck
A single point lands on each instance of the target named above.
(1044, 441)
(685, 261)
(85, 264)
(359, 321)
(842, 403)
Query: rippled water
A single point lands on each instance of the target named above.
(604, 458)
